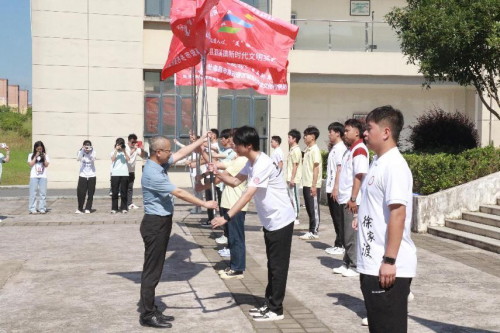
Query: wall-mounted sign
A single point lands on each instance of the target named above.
(360, 8)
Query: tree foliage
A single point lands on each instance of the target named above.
(453, 40)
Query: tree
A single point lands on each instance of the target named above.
(453, 40)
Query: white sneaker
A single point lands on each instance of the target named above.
(268, 316)
(364, 322)
(221, 240)
(222, 271)
(297, 222)
(340, 270)
(258, 311)
(132, 206)
(350, 273)
(42, 212)
(335, 250)
(78, 212)
(124, 211)
(309, 236)
(225, 252)
(87, 211)
(411, 297)
(110, 193)
(1, 220)
(113, 212)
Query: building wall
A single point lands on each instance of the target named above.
(23, 101)
(87, 80)
(4, 83)
(320, 104)
(13, 96)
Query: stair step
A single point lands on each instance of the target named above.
(482, 218)
(490, 209)
(481, 242)
(474, 228)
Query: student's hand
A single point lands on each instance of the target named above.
(292, 183)
(7, 148)
(211, 205)
(335, 194)
(313, 191)
(352, 206)
(355, 223)
(175, 141)
(218, 222)
(37, 154)
(212, 168)
(387, 275)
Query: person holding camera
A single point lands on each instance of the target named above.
(87, 179)
(4, 158)
(134, 149)
(39, 162)
(119, 176)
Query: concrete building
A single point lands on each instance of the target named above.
(4, 91)
(23, 101)
(96, 75)
(13, 96)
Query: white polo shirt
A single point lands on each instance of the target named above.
(271, 199)
(354, 161)
(389, 181)
(132, 158)
(334, 159)
(277, 156)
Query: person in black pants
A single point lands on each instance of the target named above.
(119, 176)
(87, 179)
(156, 225)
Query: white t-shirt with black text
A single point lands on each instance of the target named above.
(334, 160)
(354, 162)
(271, 198)
(389, 181)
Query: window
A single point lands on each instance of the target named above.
(167, 108)
(158, 7)
(262, 5)
(244, 107)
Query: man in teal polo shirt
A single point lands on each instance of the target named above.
(156, 225)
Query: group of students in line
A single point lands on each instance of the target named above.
(122, 176)
(370, 205)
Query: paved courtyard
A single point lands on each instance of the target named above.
(62, 272)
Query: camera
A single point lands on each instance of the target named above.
(87, 147)
(122, 145)
(3, 145)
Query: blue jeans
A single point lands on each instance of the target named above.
(41, 185)
(236, 240)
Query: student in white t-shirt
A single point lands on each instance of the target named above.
(354, 167)
(87, 177)
(277, 156)
(4, 158)
(335, 134)
(133, 151)
(267, 186)
(119, 176)
(39, 162)
(387, 256)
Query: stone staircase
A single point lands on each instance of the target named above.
(480, 229)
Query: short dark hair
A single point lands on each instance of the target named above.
(337, 128)
(216, 132)
(87, 143)
(120, 142)
(226, 134)
(354, 123)
(247, 135)
(312, 130)
(276, 138)
(295, 134)
(393, 117)
(132, 137)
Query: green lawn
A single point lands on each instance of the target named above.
(17, 171)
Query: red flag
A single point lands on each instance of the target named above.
(248, 36)
(190, 22)
(179, 58)
(267, 81)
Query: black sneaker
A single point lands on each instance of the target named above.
(206, 224)
(232, 274)
(258, 311)
(164, 317)
(155, 321)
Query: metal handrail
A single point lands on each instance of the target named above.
(327, 20)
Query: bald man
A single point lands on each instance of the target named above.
(156, 225)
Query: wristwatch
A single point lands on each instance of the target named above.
(389, 260)
(353, 199)
(227, 217)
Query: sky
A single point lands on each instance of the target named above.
(15, 43)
